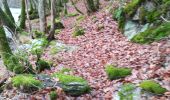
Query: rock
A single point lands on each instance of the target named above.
(72, 85)
(133, 28)
(75, 88)
(149, 6)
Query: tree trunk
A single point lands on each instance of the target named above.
(76, 7)
(90, 6)
(7, 10)
(52, 30)
(10, 61)
(42, 18)
(23, 15)
(6, 21)
(28, 17)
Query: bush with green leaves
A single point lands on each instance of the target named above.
(72, 85)
(26, 83)
(152, 86)
(114, 72)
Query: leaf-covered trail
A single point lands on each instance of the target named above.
(99, 47)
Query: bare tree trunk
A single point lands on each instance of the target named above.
(42, 17)
(52, 30)
(28, 18)
(76, 7)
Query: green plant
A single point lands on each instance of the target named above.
(114, 72)
(42, 65)
(26, 82)
(38, 34)
(53, 95)
(152, 86)
(78, 31)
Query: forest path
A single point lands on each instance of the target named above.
(107, 45)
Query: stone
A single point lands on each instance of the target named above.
(132, 28)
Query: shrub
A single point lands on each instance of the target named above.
(116, 73)
(152, 86)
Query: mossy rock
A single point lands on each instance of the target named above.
(127, 91)
(145, 12)
(72, 85)
(153, 34)
(152, 86)
(41, 65)
(114, 72)
(26, 83)
(78, 31)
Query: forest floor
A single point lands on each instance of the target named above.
(107, 45)
(99, 47)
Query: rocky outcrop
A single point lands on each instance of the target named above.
(144, 21)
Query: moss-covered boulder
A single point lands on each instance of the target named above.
(114, 72)
(26, 83)
(72, 85)
(152, 86)
(144, 21)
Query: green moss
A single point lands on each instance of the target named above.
(78, 31)
(23, 15)
(153, 34)
(132, 7)
(73, 85)
(42, 65)
(26, 82)
(65, 79)
(116, 73)
(152, 86)
(53, 95)
(126, 91)
(63, 70)
(72, 14)
(38, 34)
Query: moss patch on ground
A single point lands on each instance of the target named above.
(152, 86)
(26, 83)
(78, 31)
(114, 72)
